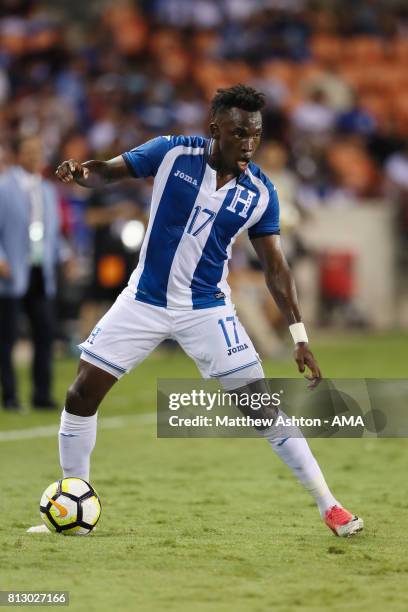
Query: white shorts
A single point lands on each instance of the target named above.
(213, 337)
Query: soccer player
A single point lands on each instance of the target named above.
(205, 193)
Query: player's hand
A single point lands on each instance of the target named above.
(71, 170)
(5, 271)
(304, 358)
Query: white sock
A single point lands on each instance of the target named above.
(77, 437)
(295, 452)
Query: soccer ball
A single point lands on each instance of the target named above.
(70, 506)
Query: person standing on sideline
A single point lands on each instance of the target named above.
(30, 249)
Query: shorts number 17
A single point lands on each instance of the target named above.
(223, 326)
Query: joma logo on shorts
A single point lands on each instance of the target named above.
(237, 349)
(186, 177)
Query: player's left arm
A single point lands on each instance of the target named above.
(281, 284)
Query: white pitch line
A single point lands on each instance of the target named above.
(48, 431)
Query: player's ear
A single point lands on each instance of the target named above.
(214, 130)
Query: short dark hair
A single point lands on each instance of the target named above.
(239, 96)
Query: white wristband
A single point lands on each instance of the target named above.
(298, 332)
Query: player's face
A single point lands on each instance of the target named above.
(238, 134)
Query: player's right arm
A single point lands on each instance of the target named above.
(141, 162)
(93, 173)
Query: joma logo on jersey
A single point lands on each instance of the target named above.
(240, 199)
(237, 349)
(186, 177)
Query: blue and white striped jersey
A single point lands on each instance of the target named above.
(184, 257)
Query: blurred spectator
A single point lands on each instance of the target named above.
(353, 169)
(148, 68)
(356, 120)
(313, 120)
(117, 220)
(396, 172)
(273, 159)
(30, 249)
(3, 159)
(102, 77)
(326, 79)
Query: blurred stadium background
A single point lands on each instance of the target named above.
(211, 524)
(98, 78)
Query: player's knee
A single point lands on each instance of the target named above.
(250, 374)
(249, 403)
(80, 400)
(88, 390)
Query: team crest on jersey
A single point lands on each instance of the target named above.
(186, 177)
(244, 201)
(96, 330)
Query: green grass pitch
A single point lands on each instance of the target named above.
(213, 525)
